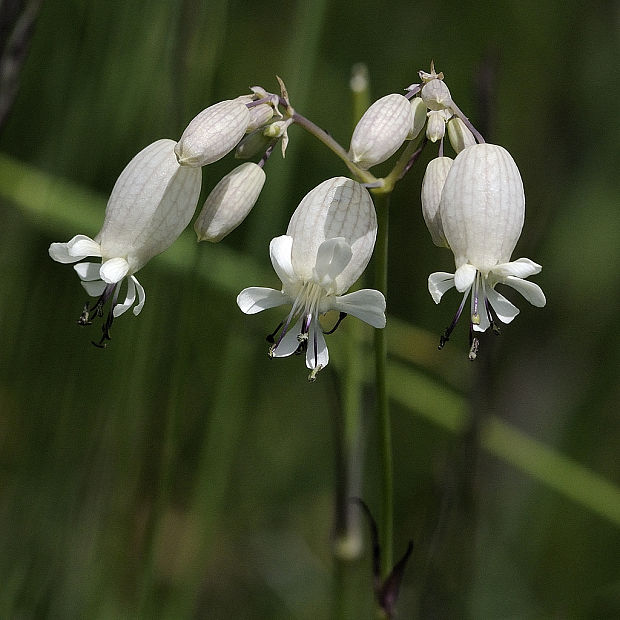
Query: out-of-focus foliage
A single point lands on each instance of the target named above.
(181, 472)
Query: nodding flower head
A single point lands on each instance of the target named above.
(329, 241)
(482, 209)
(152, 202)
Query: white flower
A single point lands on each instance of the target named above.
(213, 133)
(418, 112)
(229, 202)
(328, 244)
(482, 211)
(151, 203)
(381, 131)
(436, 95)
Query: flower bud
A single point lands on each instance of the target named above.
(213, 133)
(259, 115)
(229, 202)
(381, 131)
(436, 95)
(432, 185)
(418, 109)
(436, 128)
(252, 144)
(459, 135)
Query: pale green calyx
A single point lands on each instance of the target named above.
(229, 202)
(381, 131)
(213, 133)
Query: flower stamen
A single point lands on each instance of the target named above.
(446, 335)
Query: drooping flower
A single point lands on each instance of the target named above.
(327, 246)
(432, 186)
(482, 210)
(151, 203)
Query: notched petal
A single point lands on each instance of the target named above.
(438, 283)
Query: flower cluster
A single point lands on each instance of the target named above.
(473, 204)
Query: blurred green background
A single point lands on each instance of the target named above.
(180, 473)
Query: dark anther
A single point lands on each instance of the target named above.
(85, 316)
(335, 327)
(303, 343)
(271, 338)
(494, 325)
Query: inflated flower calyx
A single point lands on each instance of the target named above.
(259, 115)
(482, 211)
(418, 110)
(229, 202)
(436, 127)
(213, 133)
(381, 131)
(328, 244)
(432, 186)
(151, 203)
(460, 136)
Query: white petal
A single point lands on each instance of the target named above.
(532, 292)
(438, 283)
(256, 299)
(290, 343)
(505, 310)
(521, 268)
(464, 277)
(88, 271)
(94, 288)
(316, 353)
(141, 296)
(129, 299)
(114, 270)
(483, 319)
(82, 246)
(366, 304)
(332, 258)
(65, 252)
(280, 254)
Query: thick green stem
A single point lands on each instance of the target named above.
(383, 411)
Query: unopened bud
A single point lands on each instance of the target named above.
(229, 202)
(381, 131)
(418, 109)
(459, 135)
(436, 95)
(432, 185)
(213, 133)
(259, 116)
(252, 144)
(436, 127)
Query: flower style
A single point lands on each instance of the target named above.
(482, 211)
(328, 243)
(151, 203)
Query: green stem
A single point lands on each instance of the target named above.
(335, 147)
(383, 411)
